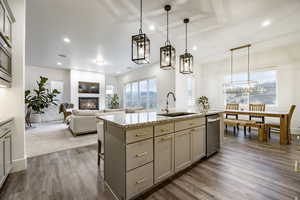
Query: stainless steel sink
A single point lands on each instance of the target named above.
(176, 114)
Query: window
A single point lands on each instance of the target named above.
(110, 90)
(266, 80)
(191, 91)
(141, 94)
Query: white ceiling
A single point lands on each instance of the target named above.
(103, 28)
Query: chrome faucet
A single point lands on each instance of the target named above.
(167, 103)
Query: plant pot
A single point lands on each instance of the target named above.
(35, 118)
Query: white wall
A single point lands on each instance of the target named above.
(76, 76)
(12, 99)
(33, 74)
(165, 80)
(284, 59)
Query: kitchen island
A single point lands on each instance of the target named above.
(141, 150)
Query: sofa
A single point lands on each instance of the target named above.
(84, 121)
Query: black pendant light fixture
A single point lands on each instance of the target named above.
(140, 46)
(186, 59)
(167, 52)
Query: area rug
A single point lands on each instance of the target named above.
(52, 137)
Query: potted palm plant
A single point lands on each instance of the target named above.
(39, 99)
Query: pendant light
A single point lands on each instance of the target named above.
(247, 86)
(167, 52)
(140, 44)
(186, 59)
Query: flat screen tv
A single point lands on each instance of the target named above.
(88, 87)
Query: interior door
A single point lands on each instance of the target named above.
(183, 156)
(164, 157)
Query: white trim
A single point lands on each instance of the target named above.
(19, 165)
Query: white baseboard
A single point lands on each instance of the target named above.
(19, 165)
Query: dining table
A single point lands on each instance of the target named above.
(283, 117)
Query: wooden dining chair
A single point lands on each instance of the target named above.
(257, 107)
(232, 116)
(276, 126)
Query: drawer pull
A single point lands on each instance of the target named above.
(141, 154)
(141, 134)
(140, 181)
(192, 130)
(182, 134)
(165, 138)
(192, 124)
(162, 130)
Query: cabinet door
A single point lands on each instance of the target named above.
(2, 17)
(7, 154)
(7, 28)
(1, 160)
(183, 156)
(198, 143)
(164, 157)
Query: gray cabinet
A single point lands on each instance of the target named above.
(183, 156)
(5, 151)
(198, 143)
(164, 157)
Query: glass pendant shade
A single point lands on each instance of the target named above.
(186, 60)
(140, 49)
(167, 52)
(186, 63)
(167, 57)
(140, 44)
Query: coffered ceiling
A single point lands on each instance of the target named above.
(102, 29)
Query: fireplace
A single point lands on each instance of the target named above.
(88, 103)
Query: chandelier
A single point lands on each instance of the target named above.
(247, 86)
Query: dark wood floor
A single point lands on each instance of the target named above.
(244, 169)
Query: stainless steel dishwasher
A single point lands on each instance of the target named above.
(212, 134)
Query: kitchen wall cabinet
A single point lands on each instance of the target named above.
(164, 157)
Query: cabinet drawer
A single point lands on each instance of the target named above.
(135, 135)
(139, 154)
(164, 129)
(190, 123)
(139, 180)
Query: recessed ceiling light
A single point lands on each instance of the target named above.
(195, 48)
(67, 40)
(152, 27)
(59, 63)
(118, 72)
(99, 61)
(266, 23)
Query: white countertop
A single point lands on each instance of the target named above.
(128, 120)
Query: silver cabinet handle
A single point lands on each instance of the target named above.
(141, 154)
(165, 138)
(140, 181)
(141, 134)
(213, 120)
